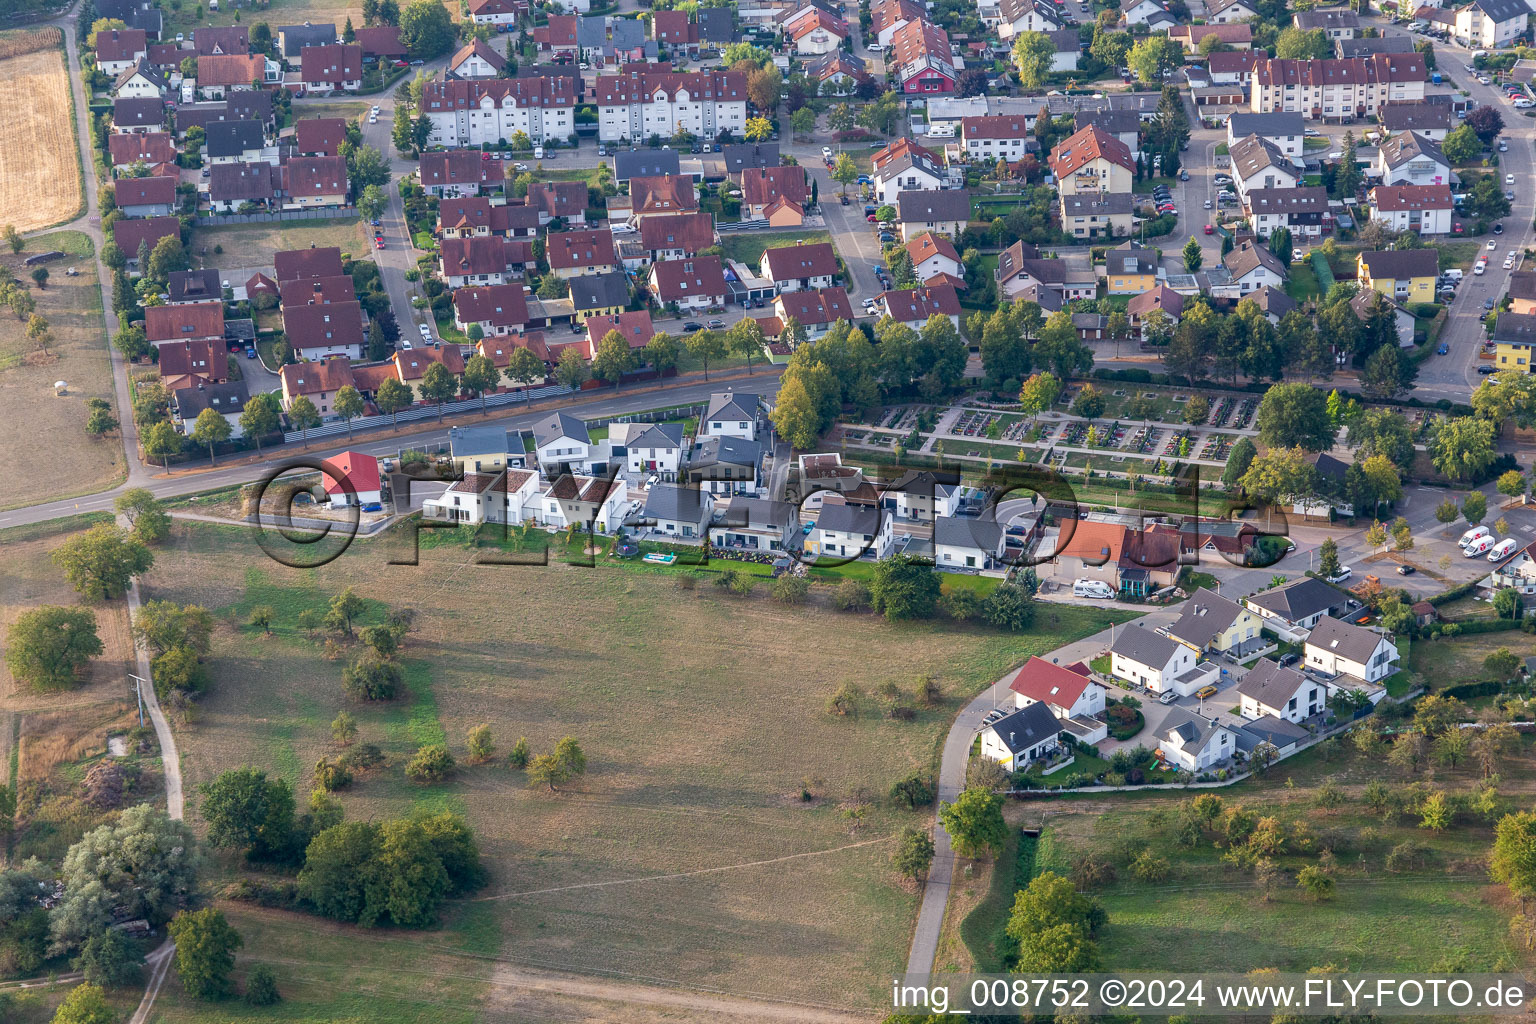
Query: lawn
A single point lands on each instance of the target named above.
(1450, 660)
(702, 715)
(748, 246)
(1303, 284)
(248, 246)
(78, 356)
(1457, 254)
(189, 15)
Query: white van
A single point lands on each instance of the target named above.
(538, 152)
(1453, 274)
(941, 131)
(1502, 550)
(1472, 535)
(1477, 547)
(1092, 588)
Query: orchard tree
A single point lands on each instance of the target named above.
(101, 562)
(913, 853)
(250, 813)
(205, 952)
(975, 823)
(557, 768)
(48, 647)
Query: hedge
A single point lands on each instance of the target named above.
(1468, 626)
(1446, 596)
(1469, 690)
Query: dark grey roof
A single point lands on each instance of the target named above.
(741, 156)
(150, 73)
(734, 405)
(192, 285)
(1275, 731)
(658, 435)
(1130, 258)
(1299, 599)
(1400, 264)
(1271, 685)
(733, 451)
(760, 513)
(1215, 7)
(1408, 116)
(1205, 614)
(1027, 727)
(717, 24)
(1348, 641)
(226, 399)
(1366, 47)
(296, 37)
(599, 291)
(942, 205)
(472, 441)
(255, 104)
(1144, 647)
(1248, 257)
(1097, 204)
(133, 13)
(855, 519)
(1400, 149)
(644, 163)
(1240, 126)
(680, 504)
(984, 534)
(557, 425)
(231, 138)
(610, 35)
(240, 329)
(1336, 18)
(1115, 122)
(1272, 300)
(138, 112)
(1194, 730)
(1501, 10)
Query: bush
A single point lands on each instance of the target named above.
(1124, 722)
(1466, 691)
(432, 763)
(914, 791)
(790, 589)
(850, 596)
(332, 775)
(261, 986)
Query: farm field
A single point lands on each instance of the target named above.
(39, 161)
(275, 13)
(79, 356)
(250, 246)
(698, 749)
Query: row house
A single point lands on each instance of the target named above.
(1353, 87)
(691, 284)
(800, 266)
(476, 216)
(492, 111)
(887, 16)
(637, 105)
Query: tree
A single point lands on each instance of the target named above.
(1486, 121)
(262, 417)
(369, 678)
(261, 987)
(1511, 484)
(109, 959)
(101, 562)
(1463, 447)
(146, 516)
(211, 428)
(757, 129)
(1152, 56)
(248, 812)
(844, 171)
(1298, 44)
(1315, 882)
(431, 764)
(371, 202)
(763, 86)
(1382, 480)
(13, 239)
(392, 397)
(571, 369)
(303, 414)
(1328, 558)
(1060, 350)
(1238, 460)
(1054, 925)
(705, 346)
(348, 404)
(1278, 473)
(85, 1004)
(205, 952)
(168, 255)
(524, 367)
(1514, 853)
(1461, 145)
(426, 29)
(1447, 512)
(1506, 604)
(439, 385)
(99, 419)
(902, 587)
(1474, 507)
(913, 853)
(142, 865)
(1010, 607)
(1295, 415)
(975, 823)
(614, 357)
(555, 769)
(1280, 244)
(480, 376)
(1193, 257)
(160, 440)
(1387, 373)
(344, 729)
(1110, 48)
(1402, 534)
(803, 121)
(480, 744)
(1033, 54)
(48, 647)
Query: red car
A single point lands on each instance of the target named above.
(871, 218)
(1210, 229)
(402, 64)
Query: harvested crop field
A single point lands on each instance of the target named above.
(39, 166)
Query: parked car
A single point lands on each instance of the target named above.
(1167, 697)
(843, 200)
(1443, 348)
(1486, 370)
(1210, 229)
(1205, 692)
(1406, 570)
(1344, 573)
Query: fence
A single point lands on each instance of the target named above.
(228, 219)
(426, 412)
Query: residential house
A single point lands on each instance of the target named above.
(677, 511)
(1097, 214)
(141, 14)
(814, 309)
(1514, 336)
(145, 197)
(474, 261)
(599, 295)
(1272, 302)
(604, 41)
(1412, 159)
(634, 327)
(499, 309)
(352, 478)
(315, 181)
(677, 236)
(504, 13)
(812, 31)
(184, 364)
(1092, 160)
(137, 116)
(1130, 268)
(1088, 549)
(318, 331)
(475, 216)
(155, 150)
(1021, 273)
(757, 524)
(1493, 24)
(316, 381)
(920, 60)
(1232, 68)
(577, 253)
(477, 60)
(1210, 623)
(227, 400)
(643, 163)
(141, 81)
(558, 39)
(1522, 291)
(1251, 267)
(1018, 16)
(1363, 305)
(991, 137)
(1303, 211)
(1518, 572)
(1194, 743)
(962, 542)
(185, 286)
(332, 68)
(1159, 298)
(1234, 37)
(922, 495)
(934, 256)
(487, 449)
(675, 32)
(380, 42)
(1335, 23)
(293, 40)
(941, 213)
(1406, 275)
(1258, 164)
(661, 196)
(653, 448)
(491, 111)
(563, 200)
(1283, 131)
(1019, 740)
(1142, 657)
(726, 465)
(561, 441)
(1336, 648)
(457, 173)
(131, 235)
(1124, 125)
(739, 157)
(913, 306)
(1359, 47)
(904, 166)
(838, 73)
(730, 414)
(118, 49)
(850, 531)
(593, 504)
(696, 283)
(470, 500)
(221, 74)
(1282, 693)
(1297, 606)
(1426, 209)
(636, 105)
(1141, 12)
(793, 267)
(1431, 120)
(234, 142)
(1331, 87)
(318, 291)
(1230, 12)
(1073, 698)
(762, 186)
(196, 321)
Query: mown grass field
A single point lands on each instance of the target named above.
(247, 246)
(748, 246)
(701, 715)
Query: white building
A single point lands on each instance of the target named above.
(851, 531)
(730, 414)
(1193, 743)
(473, 113)
(961, 542)
(635, 106)
(1159, 663)
(1336, 648)
(1284, 693)
(1018, 740)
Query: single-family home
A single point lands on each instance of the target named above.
(565, 200)
(456, 173)
(292, 40)
(851, 531)
(1015, 17)
(660, 196)
(794, 267)
(185, 364)
(1426, 209)
(1284, 693)
(1230, 12)
(234, 142)
(380, 42)
(1303, 211)
(966, 542)
(1211, 623)
(921, 60)
(812, 31)
(1282, 130)
(1142, 657)
(145, 197)
(193, 286)
(1514, 339)
(1336, 648)
(1297, 606)
(944, 213)
(987, 138)
(1364, 306)
(913, 306)
(635, 327)
(220, 75)
(814, 309)
(574, 253)
(132, 235)
(118, 49)
(1411, 159)
(696, 283)
(1088, 549)
(1130, 268)
(561, 441)
(1517, 573)
(1431, 120)
(1494, 24)
(654, 448)
(725, 465)
(352, 478)
(1073, 698)
(1092, 160)
(677, 511)
(315, 181)
(227, 399)
(477, 60)
(1406, 275)
(140, 81)
(136, 116)
(332, 68)
(321, 330)
(934, 256)
(1258, 163)
(1097, 214)
(904, 166)
(1334, 22)
(194, 321)
(598, 295)
(922, 495)
(1522, 291)
(838, 73)
(757, 524)
(677, 236)
(498, 309)
(487, 449)
(1194, 743)
(762, 186)
(1234, 37)
(156, 151)
(1160, 298)
(1124, 125)
(731, 414)
(504, 13)
(1022, 738)
(473, 261)
(1252, 267)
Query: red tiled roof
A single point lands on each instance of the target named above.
(331, 326)
(380, 41)
(293, 264)
(1086, 146)
(204, 358)
(478, 48)
(1042, 681)
(120, 44)
(1392, 198)
(150, 147)
(438, 97)
(673, 27)
(816, 306)
(1378, 67)
(230, 69)
(331, 63)
(310, 176)
(559, 198)
(184, 322)
(663, 193)
(413, 365)
(911, 304)
(127, 234)
(211, 39)
(687, 278)
(762, 185)
(568, 250)
(927, 245)
(791, 262)
(809, 19)
(561, 31)
(356, 469)
(500, 305)
(311, 378)
(466, 257)
(633, 86)
(457, 167)
(319, 134)
(904, 147)
(318, 291)
(636, 327)
(689, 232)
(144, 191)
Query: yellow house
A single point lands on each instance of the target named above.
(1514, 338)
(1212, 623)
(599, 295)
(1522, 291)
(1092, 160)
(1406, 275)
(1130, 269)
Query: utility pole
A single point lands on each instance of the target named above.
(138, 690)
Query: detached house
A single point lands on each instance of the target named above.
(1282, 693)
(675, 511)
(458, 173)
(1335, 648)
(1252, 267)
(315, 181)
(758, 524)
(1405, 275)
(1018, 740)
(1193, 743)
(119, 49)
(1092, 160)
(333, 68)
(661, 196)
(574, 253)
(1211, 623)
(220, 74)
(813, 31)
(1073, 699)
(763, 187)
(814, 309)
(793, 267)
(851, 531)
(913, 306)
(145, 197)
(963, 542)
(1297, 606)
(1283, 131)
(730, 414)
(934, 257)
(499, 309)
(690, 284)
(319, 331)
(940, 213)
(1412, 159)
(319, 136)
(476, 260)
(677, 236)
(1335, 23)
(140, 81)
(1160, 663)
(1258, 163)
(726, 465)
(477, 60)
(906, 166)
